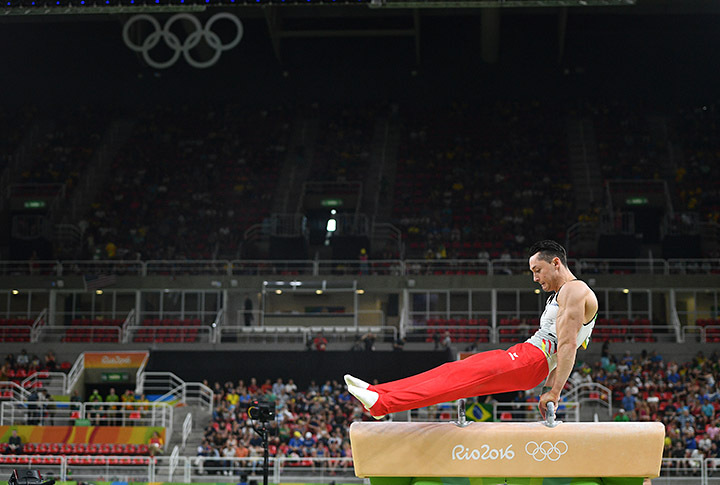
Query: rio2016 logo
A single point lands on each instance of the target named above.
(459, 452)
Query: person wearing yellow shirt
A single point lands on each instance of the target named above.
(233, 399)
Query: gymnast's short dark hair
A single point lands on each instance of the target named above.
(548, 250)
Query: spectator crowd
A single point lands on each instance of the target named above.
(313, 422)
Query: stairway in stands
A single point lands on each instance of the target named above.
(582, 151)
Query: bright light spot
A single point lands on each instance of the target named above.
(15, 292)
(318, 292)
(331, 225)
(626, 291)
(537, 291)
(360, 292)
(333, 212)
(98, 292)
(278, 292)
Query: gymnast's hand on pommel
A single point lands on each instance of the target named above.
(545, 398)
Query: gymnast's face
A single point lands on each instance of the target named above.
(544, 272)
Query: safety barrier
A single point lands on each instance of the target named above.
(297, 334)
(170, 334)
(183, 469)
(528, 411)
(501, 411)
(96, 334)
(52, 382)
(409, 267)
(170, 388)
(186, 429)
(13, 391)
(130, 414)
(590, 392)
(53, 413)
(41, 413)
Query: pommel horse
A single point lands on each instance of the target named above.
(472, 453)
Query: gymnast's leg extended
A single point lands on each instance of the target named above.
(521, 367)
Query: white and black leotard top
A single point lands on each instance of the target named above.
(545, 338)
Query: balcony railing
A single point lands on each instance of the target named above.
(410, 267)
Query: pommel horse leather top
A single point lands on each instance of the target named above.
(609, 449)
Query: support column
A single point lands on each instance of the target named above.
(490, 35)
(562, 29)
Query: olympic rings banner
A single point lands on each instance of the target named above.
(163, 35)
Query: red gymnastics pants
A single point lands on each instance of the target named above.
(521, 367)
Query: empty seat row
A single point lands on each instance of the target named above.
(75, 460)
(81, 449)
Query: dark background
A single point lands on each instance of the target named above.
(653, 59)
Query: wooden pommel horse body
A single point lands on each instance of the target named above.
(532, 453)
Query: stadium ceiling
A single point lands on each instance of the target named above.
(86, 7)
(497, 3)
(344, 8)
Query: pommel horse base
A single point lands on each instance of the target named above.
(398, 453)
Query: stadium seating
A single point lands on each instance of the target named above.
(169, 330)
(96, 330)
(461, 329)
(15, 330)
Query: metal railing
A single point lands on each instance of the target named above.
(55, 413)
(183, 469)
(409, 267)
(590, 392)
(171, 334)
(70, 334)
(173, 464)
(502, 411)
(39, 413)
(38, 324)
(13, 391)
(170, 388)
(186, 429)
(362, 318)
(634, 333)
(458, 333)
(699, 331)
(300, 334)
(130, 321)
(528, 411)
(129, 414)
(52, 382)
(76, 373)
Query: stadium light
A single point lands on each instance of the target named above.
(15, 291)
(318, 292)
(626, 290)
(98, 292)
(360, 292)
(278, 292)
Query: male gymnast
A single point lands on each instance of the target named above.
(565, 325)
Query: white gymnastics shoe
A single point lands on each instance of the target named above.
(354, 381)
(367, 397)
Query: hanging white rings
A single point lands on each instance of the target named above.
(173, 42)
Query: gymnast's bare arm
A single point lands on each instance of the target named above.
(572, 305)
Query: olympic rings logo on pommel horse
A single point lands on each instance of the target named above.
(546, 449)
(173, 42)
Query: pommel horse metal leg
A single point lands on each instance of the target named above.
(462, 421)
